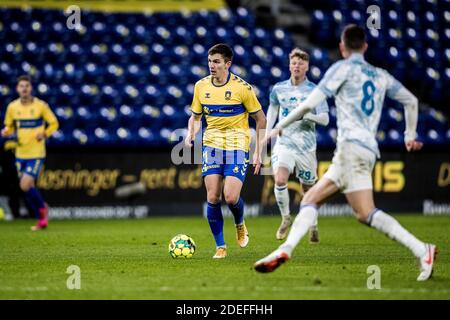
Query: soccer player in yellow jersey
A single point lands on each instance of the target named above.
(27, 117)
(226, 101)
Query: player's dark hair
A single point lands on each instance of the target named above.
(223, 49)
(353, 37)
(24, 78)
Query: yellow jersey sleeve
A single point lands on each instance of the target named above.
(9, 120)
(50, 118)
(249, 99)
(196, 106)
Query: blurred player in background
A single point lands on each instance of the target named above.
(9, 185)
(27, 118)
(226, 101)
(359, 90)
(296, 149)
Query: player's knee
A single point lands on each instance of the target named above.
(231, 198)
(309, 198)
(362, 215)
(280, 181)
(25, 185)
(213, 198)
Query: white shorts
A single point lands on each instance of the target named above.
(351, 167)
(305, 165)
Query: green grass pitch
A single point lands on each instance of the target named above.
(129, 259)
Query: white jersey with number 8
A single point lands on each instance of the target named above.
(359, 90)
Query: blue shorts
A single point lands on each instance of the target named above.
(31, 167)
(224, 162)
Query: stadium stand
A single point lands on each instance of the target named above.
(127, 79)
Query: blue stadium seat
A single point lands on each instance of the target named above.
(381, 138)
(315, 73)
(83, 117)
(127, 115)
(7, 72)
(446, 37)
(101, 136)
(124, 136)
(243, 36)
(319, 58)
(59, 138)
(198, 53)
(150, 116)
(281, 38)
(66, 116)
(435, 137)
(80, 137)
(394, 137)
(144, 136)
(245, 17)
(279, 56)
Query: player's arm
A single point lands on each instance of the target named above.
(272, 111)
(410, 104)
(332, 81)
(9, 129)
(51, 121)
(194, 123)
(322, 118)
(194, 126)
(315, 98)
(261, 123)
(254, 108)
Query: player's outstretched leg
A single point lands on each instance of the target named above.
(314, 230)
(272, 261)
(282, 197)
(364, 207)
(302, 223)
(215, 220)
(427, 262)
(426, 253)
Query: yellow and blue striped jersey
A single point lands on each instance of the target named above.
(27, 121)
(226, 109)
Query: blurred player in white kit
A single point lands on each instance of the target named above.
(359, 90)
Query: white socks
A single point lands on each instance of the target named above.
(389, 226)
(306, 218)
(316, 221)
(282, 196)
(379, 220)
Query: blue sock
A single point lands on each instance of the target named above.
(31, 205)
(238, 211)
(215, 219)
(35, 199)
